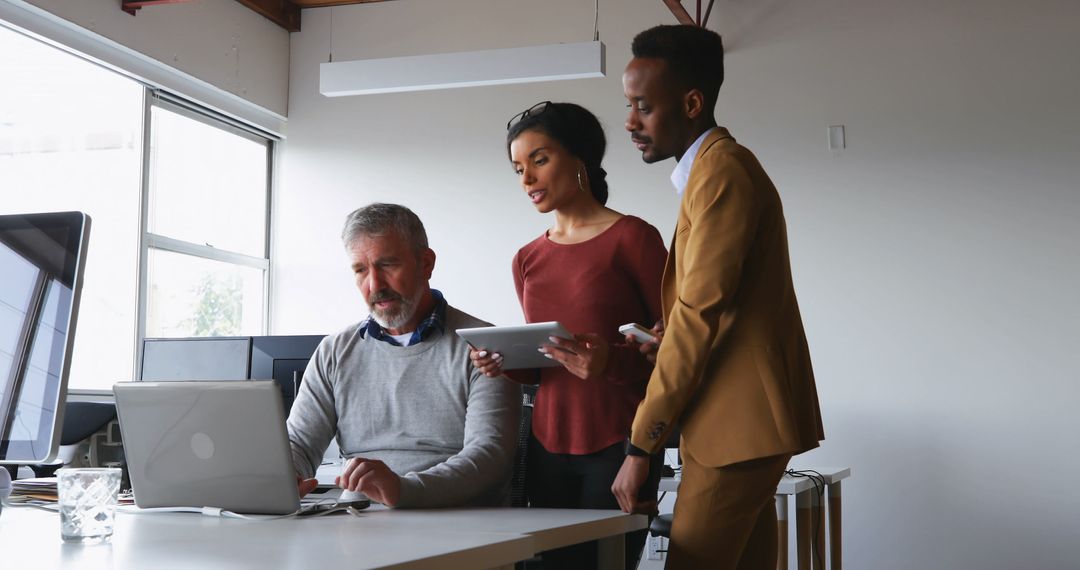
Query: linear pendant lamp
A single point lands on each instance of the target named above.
(551, 62)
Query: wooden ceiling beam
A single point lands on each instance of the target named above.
(684, 17)
(325, 3)
(681, 14)
(281, 12)
(130, 6)
(708, 11)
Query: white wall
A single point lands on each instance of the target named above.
(936, 259)
(219, 42)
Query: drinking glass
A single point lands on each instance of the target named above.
(87, 498)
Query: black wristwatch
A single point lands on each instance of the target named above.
(631, 449)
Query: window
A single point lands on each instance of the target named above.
(70, 136)
(179, 199)
(206, 227)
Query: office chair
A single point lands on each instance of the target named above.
(83, 419)
(518, 497)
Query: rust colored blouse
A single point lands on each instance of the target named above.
(592, 287)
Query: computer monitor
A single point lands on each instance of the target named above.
(283, 359)
(201, 358)
(42, 257)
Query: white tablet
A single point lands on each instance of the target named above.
(517, 344)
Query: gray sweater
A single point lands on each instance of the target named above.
(448, 430)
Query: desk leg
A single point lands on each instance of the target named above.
(836, 554)
(817, 508)
(611, 553)
(781, 532)
(803, 528)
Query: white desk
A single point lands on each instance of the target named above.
(809, 516)
(550, 528)
(382, 538)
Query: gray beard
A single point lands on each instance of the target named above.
(401, 316)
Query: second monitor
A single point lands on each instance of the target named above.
(283, 359)
(196, 358)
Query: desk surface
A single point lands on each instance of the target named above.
(550, 528)
(381, 538)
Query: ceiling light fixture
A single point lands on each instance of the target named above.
(551, 62)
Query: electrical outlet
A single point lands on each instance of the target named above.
(657, 547)
(837, 138)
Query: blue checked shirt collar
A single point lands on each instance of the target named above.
(434, 322)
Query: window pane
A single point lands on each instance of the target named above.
(207, 185)
(69, 140)
(192, 296)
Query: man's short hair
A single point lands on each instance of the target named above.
(694, 56)
(379, 219)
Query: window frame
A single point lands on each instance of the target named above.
(161, 87)
(147, 239)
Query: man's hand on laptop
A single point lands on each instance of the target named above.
(372, 478)
(305, 486)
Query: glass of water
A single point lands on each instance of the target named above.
(87, 498)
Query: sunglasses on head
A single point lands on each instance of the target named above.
(537, 109)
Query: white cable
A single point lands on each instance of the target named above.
(596, 23)
(216, 512)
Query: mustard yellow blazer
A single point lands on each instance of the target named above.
(734, 367)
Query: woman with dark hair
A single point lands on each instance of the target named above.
(593, 270)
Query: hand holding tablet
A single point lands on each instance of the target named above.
(517, 344)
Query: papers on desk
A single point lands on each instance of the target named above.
(41, 491)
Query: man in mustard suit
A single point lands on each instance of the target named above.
(733, 367)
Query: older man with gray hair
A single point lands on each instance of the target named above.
(421, 426)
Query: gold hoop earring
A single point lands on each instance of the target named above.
(581, 184)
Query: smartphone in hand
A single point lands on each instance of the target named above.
(640, 333)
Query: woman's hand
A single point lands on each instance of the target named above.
(649, 349)
(488, 363)
(585, 357)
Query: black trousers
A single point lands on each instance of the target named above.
(564, 481)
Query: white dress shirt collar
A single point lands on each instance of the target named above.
(681, 175)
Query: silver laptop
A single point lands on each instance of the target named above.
(207, 444)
